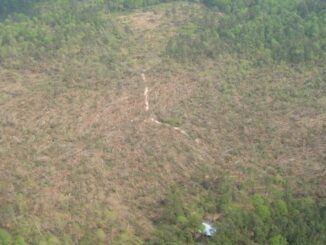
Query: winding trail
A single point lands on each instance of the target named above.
(152, 119)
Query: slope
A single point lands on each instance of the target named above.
(81, 155)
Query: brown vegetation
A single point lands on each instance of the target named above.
(77, 151)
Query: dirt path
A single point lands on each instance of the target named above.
(152, 118)
(145, 93)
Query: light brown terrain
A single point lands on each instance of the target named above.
(81, 149)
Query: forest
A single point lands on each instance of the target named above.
(269, 31)
(245, 79)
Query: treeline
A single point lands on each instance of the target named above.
(56, 26)
(267, 31)
(9, 7)
(40, 28)
(279, 219)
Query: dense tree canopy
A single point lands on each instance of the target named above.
(11, 6)
(292, 31)
(283, 220)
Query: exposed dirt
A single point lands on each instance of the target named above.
(143, 20)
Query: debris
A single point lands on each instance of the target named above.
(208, 230)
(155, 121)
(146, 99)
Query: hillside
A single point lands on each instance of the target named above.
(131, 122)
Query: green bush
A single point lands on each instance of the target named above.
(278, 240)
(5, 238)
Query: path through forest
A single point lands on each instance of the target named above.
(152, 118)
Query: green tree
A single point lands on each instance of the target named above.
(278, 240)
(5, 237)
